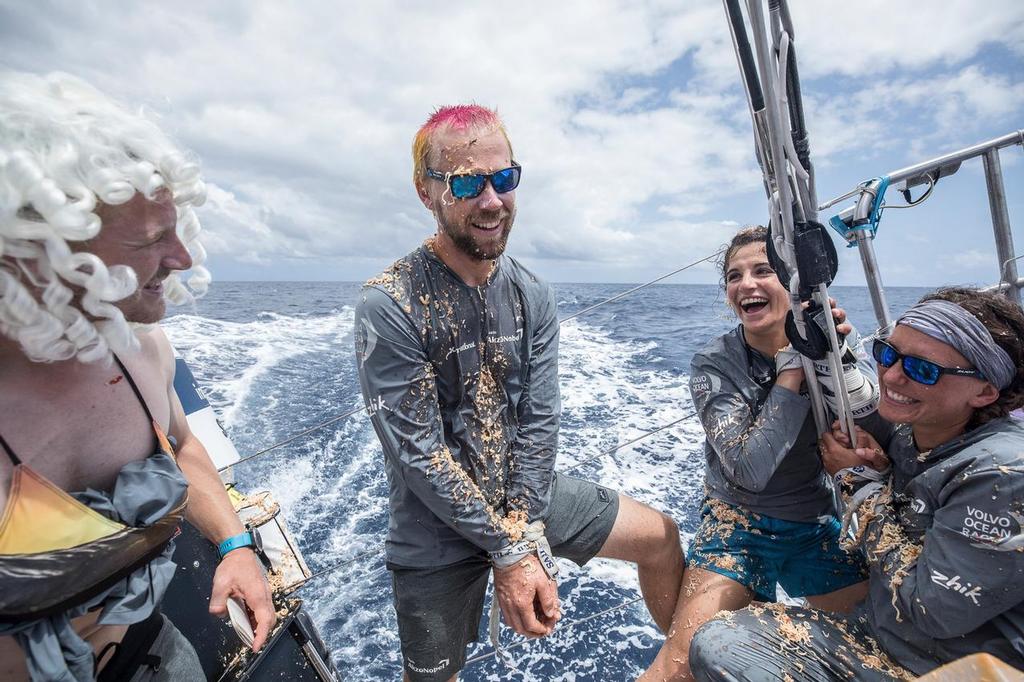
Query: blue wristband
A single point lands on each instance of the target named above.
(236, 542)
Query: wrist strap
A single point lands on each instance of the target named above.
(234, 542)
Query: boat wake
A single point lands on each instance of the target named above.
(278, 374)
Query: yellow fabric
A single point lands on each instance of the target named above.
(238, 500)
(40, 517)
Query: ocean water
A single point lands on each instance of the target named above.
(277, 358)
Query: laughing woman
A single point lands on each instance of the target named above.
(943, 530)
(768, 517)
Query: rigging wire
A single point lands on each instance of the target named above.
(378, 548)
(356, 410)
(568, 626)
(306, 432)
(642, 286)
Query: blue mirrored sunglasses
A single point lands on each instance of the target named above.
(469, 185)
(918, 369)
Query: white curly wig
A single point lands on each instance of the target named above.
(64, 148)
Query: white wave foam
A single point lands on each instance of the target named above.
(230, 357)
(611, 396)
(333, 489)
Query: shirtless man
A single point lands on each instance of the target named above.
(95, 216)
(457, 347)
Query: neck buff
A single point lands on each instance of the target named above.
(958, 328)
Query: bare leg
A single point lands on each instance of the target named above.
(649, 539)
(703, 595)
(842, 600)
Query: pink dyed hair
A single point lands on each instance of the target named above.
(454, 117)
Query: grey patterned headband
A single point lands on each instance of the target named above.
(958, 328)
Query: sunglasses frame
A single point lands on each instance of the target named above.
(956, 371)
(487, 178)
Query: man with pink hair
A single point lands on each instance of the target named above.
(457, 347)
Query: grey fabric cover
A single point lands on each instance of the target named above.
(424, 342)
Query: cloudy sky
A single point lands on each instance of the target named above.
(628, 118)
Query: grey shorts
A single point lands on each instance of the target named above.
(178, 659)
(439, 608)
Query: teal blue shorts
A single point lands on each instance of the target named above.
(759, 551)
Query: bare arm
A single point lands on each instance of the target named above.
(239, 573)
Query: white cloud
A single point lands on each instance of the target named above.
(628, 118)
(969, 260)
(877, 36)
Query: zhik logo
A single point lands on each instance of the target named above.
(954, 584)
(376, 404)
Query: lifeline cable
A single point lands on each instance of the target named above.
(568, 626)
(295, 437)
(377, 549)
(356, 410)
(642, 286)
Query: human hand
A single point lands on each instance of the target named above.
(240, 575)
(842, 326)
(528, 597)
(837, 452)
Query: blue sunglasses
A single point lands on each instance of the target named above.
(918, 369)
(469, 185)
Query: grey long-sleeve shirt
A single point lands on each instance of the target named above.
(761, 448)
(462, 386)
(945, 545)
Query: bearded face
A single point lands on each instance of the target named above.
(478, 227)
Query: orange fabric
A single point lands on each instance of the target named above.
(161, 438)
(40, 517)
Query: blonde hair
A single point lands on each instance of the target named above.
(65, 148)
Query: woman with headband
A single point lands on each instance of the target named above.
(941, 527)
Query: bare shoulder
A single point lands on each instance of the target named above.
(157, 349)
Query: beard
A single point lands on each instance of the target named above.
(465, 242)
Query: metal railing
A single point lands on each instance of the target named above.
(861, 220)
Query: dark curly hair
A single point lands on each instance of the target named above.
(1005, 322)
(752, 234)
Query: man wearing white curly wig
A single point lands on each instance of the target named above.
(97, 463)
